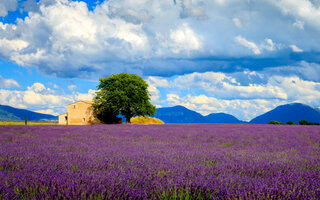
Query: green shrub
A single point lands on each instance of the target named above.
(305, 122)
(290, 123)
(275, 122)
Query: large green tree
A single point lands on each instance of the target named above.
(123, 94)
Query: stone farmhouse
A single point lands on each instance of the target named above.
(79, 113)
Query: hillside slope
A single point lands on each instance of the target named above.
(8, 113)
(180, 114)
(289, 112)
(222, 118)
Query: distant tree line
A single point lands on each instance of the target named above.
(301, 122)
(305, 122)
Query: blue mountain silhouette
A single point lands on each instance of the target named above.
(180, 114)
(289, 112)
(8, 113)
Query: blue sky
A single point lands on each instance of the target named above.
(234, 56)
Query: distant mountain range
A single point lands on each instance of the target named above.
(8, 113)
(289, 112)
(180, 114)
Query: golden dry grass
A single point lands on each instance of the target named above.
(29, 123)
(145, 120)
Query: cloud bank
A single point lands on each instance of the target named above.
(245, 95)
(7, 5)
(40, 98)
(65, 38)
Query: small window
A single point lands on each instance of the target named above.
(66, 118)
(74, 106)
(84, 119)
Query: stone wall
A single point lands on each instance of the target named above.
(81, 113)
(63, 119)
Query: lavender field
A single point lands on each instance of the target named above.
(175, 161)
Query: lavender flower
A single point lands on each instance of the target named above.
(173, 161)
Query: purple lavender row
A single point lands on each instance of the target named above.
(175, 161)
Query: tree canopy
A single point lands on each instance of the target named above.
(122, 94)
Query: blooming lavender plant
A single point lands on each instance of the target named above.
(173, 161)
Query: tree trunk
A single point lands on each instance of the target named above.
(128, 120)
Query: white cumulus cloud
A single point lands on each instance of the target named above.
(305, 10)
(296, 49)
(250, 45)
(267, 44)
(37, 87)
(42, 99)
(184, 39)
(8, 83)
(15, 45)
(47, 111)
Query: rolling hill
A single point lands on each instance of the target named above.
(8, 113)
(180, 114)
(222, 118)
(289, 112)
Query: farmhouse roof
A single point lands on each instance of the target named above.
(89, 102)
